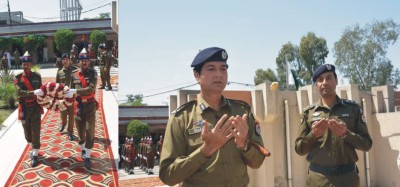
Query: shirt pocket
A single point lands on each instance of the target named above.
(349, 119)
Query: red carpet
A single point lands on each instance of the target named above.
(60, 162)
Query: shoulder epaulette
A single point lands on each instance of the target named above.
(347, 101)
(309, 107)
(243, 103)
(182, 107)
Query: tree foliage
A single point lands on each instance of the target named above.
(5, 43)
(97, 37)
(361, 54)
(313, 51)
(137, 129)
(287, 55)
(264, 76)
(134, 100)
(64, 40)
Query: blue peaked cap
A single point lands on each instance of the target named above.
(210, 54)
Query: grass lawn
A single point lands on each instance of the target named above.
(4, 112)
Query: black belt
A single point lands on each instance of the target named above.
(333, 170)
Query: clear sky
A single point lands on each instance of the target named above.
(159, 38)
(40, 10)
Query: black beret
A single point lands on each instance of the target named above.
(210, 54)
(65, 55)
(322, 69)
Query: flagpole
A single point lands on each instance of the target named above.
(287, 73)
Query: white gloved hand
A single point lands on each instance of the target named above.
(70, 93)
(38, 92)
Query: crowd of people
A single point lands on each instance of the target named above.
(75, 72)
(142, 155)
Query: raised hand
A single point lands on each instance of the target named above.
(338, 127)
(240, 130)
(318, 128)
(217, 137)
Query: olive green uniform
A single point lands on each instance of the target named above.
(73, 57)
(16, 59)
(86, 112)
(64, 76)
(105, 62)
(4, 65)
(181, 158)
(332, 158)
(59, 63)
(30, 109)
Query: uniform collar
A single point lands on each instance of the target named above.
(338, 101)
(202, 105)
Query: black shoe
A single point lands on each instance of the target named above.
(101, 87)
(83, 154)
(62, 128)
(109, 88)
(87, 163)
(34, 160)
(71, 137)
(150, 173)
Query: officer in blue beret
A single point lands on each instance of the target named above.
(211, 141)
(330, 132)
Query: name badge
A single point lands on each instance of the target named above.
(195, 130)
(345, 115)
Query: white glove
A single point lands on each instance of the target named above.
(38, 92)
(70, 93)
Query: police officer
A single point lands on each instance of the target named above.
(105, 65)
(16, 55)
(150, 153)
(73, 55)
(84, 84)
(29, 111)
(330, 132)
(64, 76)
(4, 62)
(211, 141)
(159, 146)
(115, 54)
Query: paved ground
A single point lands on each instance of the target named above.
(140, 178)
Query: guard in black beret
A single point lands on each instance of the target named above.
(322, 69)
(207, 55)
(65, 55)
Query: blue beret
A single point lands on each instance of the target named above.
(65, 55)
(322, 69)
(210, 54)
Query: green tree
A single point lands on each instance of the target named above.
(5, 43)
(361, 54)
(313, 51)
(264, 76)
(64, 39)
(137, 129)
(134, 100)
(287, 55)
(31, 44)
(97, 37)
(105, 15)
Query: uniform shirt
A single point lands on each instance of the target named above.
(64, 76)
(22, 91)
(329, 149)
(91, 79)
(105, 59)
(182, 160)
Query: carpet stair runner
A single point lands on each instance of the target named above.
(60, 162)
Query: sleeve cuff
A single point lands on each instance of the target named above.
(310, 137)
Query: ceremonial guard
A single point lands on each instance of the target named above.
(84, 83)
(105, 65)
(29, 111)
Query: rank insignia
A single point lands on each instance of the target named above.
(257, 128)
(198, 123)
(316, 114)
(202, 106)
